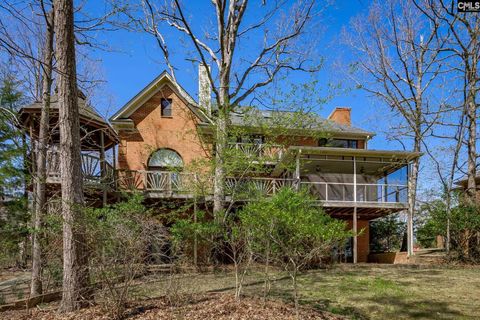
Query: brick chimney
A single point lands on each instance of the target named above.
(341, 115)
(204, 89)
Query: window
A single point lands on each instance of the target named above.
(338, 143)
(166, 107)
(165, 158)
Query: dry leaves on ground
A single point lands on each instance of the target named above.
(213, 306)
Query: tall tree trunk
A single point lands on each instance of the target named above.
(407, 241)
(472, 83)
(28, 170)
(219, 183)
(221, 138)
(75, 293)
(412, 198)
(40, 195)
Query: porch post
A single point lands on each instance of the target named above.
(103, 168)
(385, 189)
(355, 240)
(114, 156)
(297, 170)
(114, 165)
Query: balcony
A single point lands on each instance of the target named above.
(166, 184)
(367, 193)
(185, 184)
(259, 152)
(93, 175)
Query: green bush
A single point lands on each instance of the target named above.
(291, 230)
(464, 224)
(386, 234)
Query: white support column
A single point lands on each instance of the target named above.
(385, 189)
(297, 170)
(103, 169)
(355, 240)
(355, 229)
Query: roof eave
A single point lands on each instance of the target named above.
(366, 134)
(150, 89)
(406, 155)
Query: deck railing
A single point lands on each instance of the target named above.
(91, 168)
(184, 182)
(167, 181)
(241, 188)
(366, 192)
(259, 151)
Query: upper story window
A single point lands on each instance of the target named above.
(338, 143)
(166, 108)
(165, 159)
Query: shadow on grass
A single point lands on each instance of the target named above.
(417, 309)
(319, 304)
(366, 295)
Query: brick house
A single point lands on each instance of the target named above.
(462, 186)
(164, 127)
(162, 130)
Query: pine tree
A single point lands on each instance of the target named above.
(13, 174)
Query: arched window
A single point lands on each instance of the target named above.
(165, 158)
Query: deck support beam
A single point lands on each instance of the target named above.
(355, 238)
(103, 168)
(297, 170)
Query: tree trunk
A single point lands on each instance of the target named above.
(41, 159)
(472, 80)
(221, 142)
(412, 195)
(220, 145)
(295, 291)
(75, 293)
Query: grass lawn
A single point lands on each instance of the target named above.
(363, 291)
(354, 291)
(391, 292)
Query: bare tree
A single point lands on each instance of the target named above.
(463, 31)
(40, 196)
(235, 75)
(75, 291)
(399, 53)
(447, 159)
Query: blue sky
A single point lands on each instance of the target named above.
(136, 60)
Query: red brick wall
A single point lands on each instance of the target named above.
(154, 132)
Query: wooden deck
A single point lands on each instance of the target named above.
(374, 200)
(97, 173)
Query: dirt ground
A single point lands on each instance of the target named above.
(363, 291)
(210, 306)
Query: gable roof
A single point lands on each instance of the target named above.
(152, 88)
(241, 118)
(89, 117)
(86, 110)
